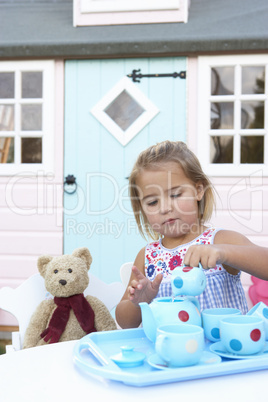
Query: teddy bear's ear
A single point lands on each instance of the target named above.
(83, 253)
(42, 263)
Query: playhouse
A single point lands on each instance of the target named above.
(85, 85)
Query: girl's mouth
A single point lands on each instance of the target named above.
(169, 222)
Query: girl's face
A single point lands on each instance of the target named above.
(169, 199)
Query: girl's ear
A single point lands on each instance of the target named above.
(199, 191)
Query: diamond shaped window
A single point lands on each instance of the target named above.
(124, 111)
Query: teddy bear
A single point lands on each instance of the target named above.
(69, 315)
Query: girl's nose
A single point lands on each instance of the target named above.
(165, 208)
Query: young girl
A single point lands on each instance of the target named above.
(172, 199)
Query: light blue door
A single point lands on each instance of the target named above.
(98, 215)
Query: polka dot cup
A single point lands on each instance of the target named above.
(211, 321)
(242, 334)
(180, 345)
(260, 310)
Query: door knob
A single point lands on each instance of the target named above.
(70, 180)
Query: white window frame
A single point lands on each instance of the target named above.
(100, 6)
(48, 105)
(205, 63)
(116, 12)
(150, 111)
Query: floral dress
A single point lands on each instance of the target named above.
(222, 289)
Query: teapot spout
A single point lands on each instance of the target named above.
(148, 321)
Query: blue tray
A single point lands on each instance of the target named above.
(92, 355)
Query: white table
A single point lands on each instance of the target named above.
(47, 373)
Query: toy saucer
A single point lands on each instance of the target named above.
(220, 350)
(206, 358)
(128, 357)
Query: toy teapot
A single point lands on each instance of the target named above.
(166, 310)
(190, 281)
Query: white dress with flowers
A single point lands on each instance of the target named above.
(222, 289)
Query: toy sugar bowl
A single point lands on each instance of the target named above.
(128, 357)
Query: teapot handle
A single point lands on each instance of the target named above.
(195, 301)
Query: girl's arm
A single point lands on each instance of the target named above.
(234, 251)
(140, 289)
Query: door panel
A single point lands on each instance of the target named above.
(98, 215)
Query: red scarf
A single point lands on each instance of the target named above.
(82, 310)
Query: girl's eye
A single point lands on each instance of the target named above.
(152, 203)
(70, 270)
(175, 195)
(55, 271)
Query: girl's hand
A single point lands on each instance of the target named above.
(141, 289)
(209, 255)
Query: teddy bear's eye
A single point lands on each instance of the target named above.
(70, 270)
(55, 271)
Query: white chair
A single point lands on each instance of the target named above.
(22, 301)
(125, 272)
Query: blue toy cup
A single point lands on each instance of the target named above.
(211, 321)
(242, 334)
(261, 310)
(180, 345)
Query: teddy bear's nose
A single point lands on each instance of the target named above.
(63, 282)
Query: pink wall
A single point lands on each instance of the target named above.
(31, 213)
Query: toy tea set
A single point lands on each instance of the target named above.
(177, 342)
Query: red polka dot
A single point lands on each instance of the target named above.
(183, 316)
(187, 269)
(255, 335)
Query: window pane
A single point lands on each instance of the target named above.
(124, 110)
(32, 84)
(252, 149)
(7, 85)
(253, 80)
(222, 115)
(6, 117)
(31, 150)
(31, 117)
(221, 149)
(222, 81)
(252, 114)
(6, 150)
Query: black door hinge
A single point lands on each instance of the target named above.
(136, 75)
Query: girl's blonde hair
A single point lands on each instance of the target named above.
(169, 151)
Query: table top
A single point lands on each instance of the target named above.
(47, 373)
